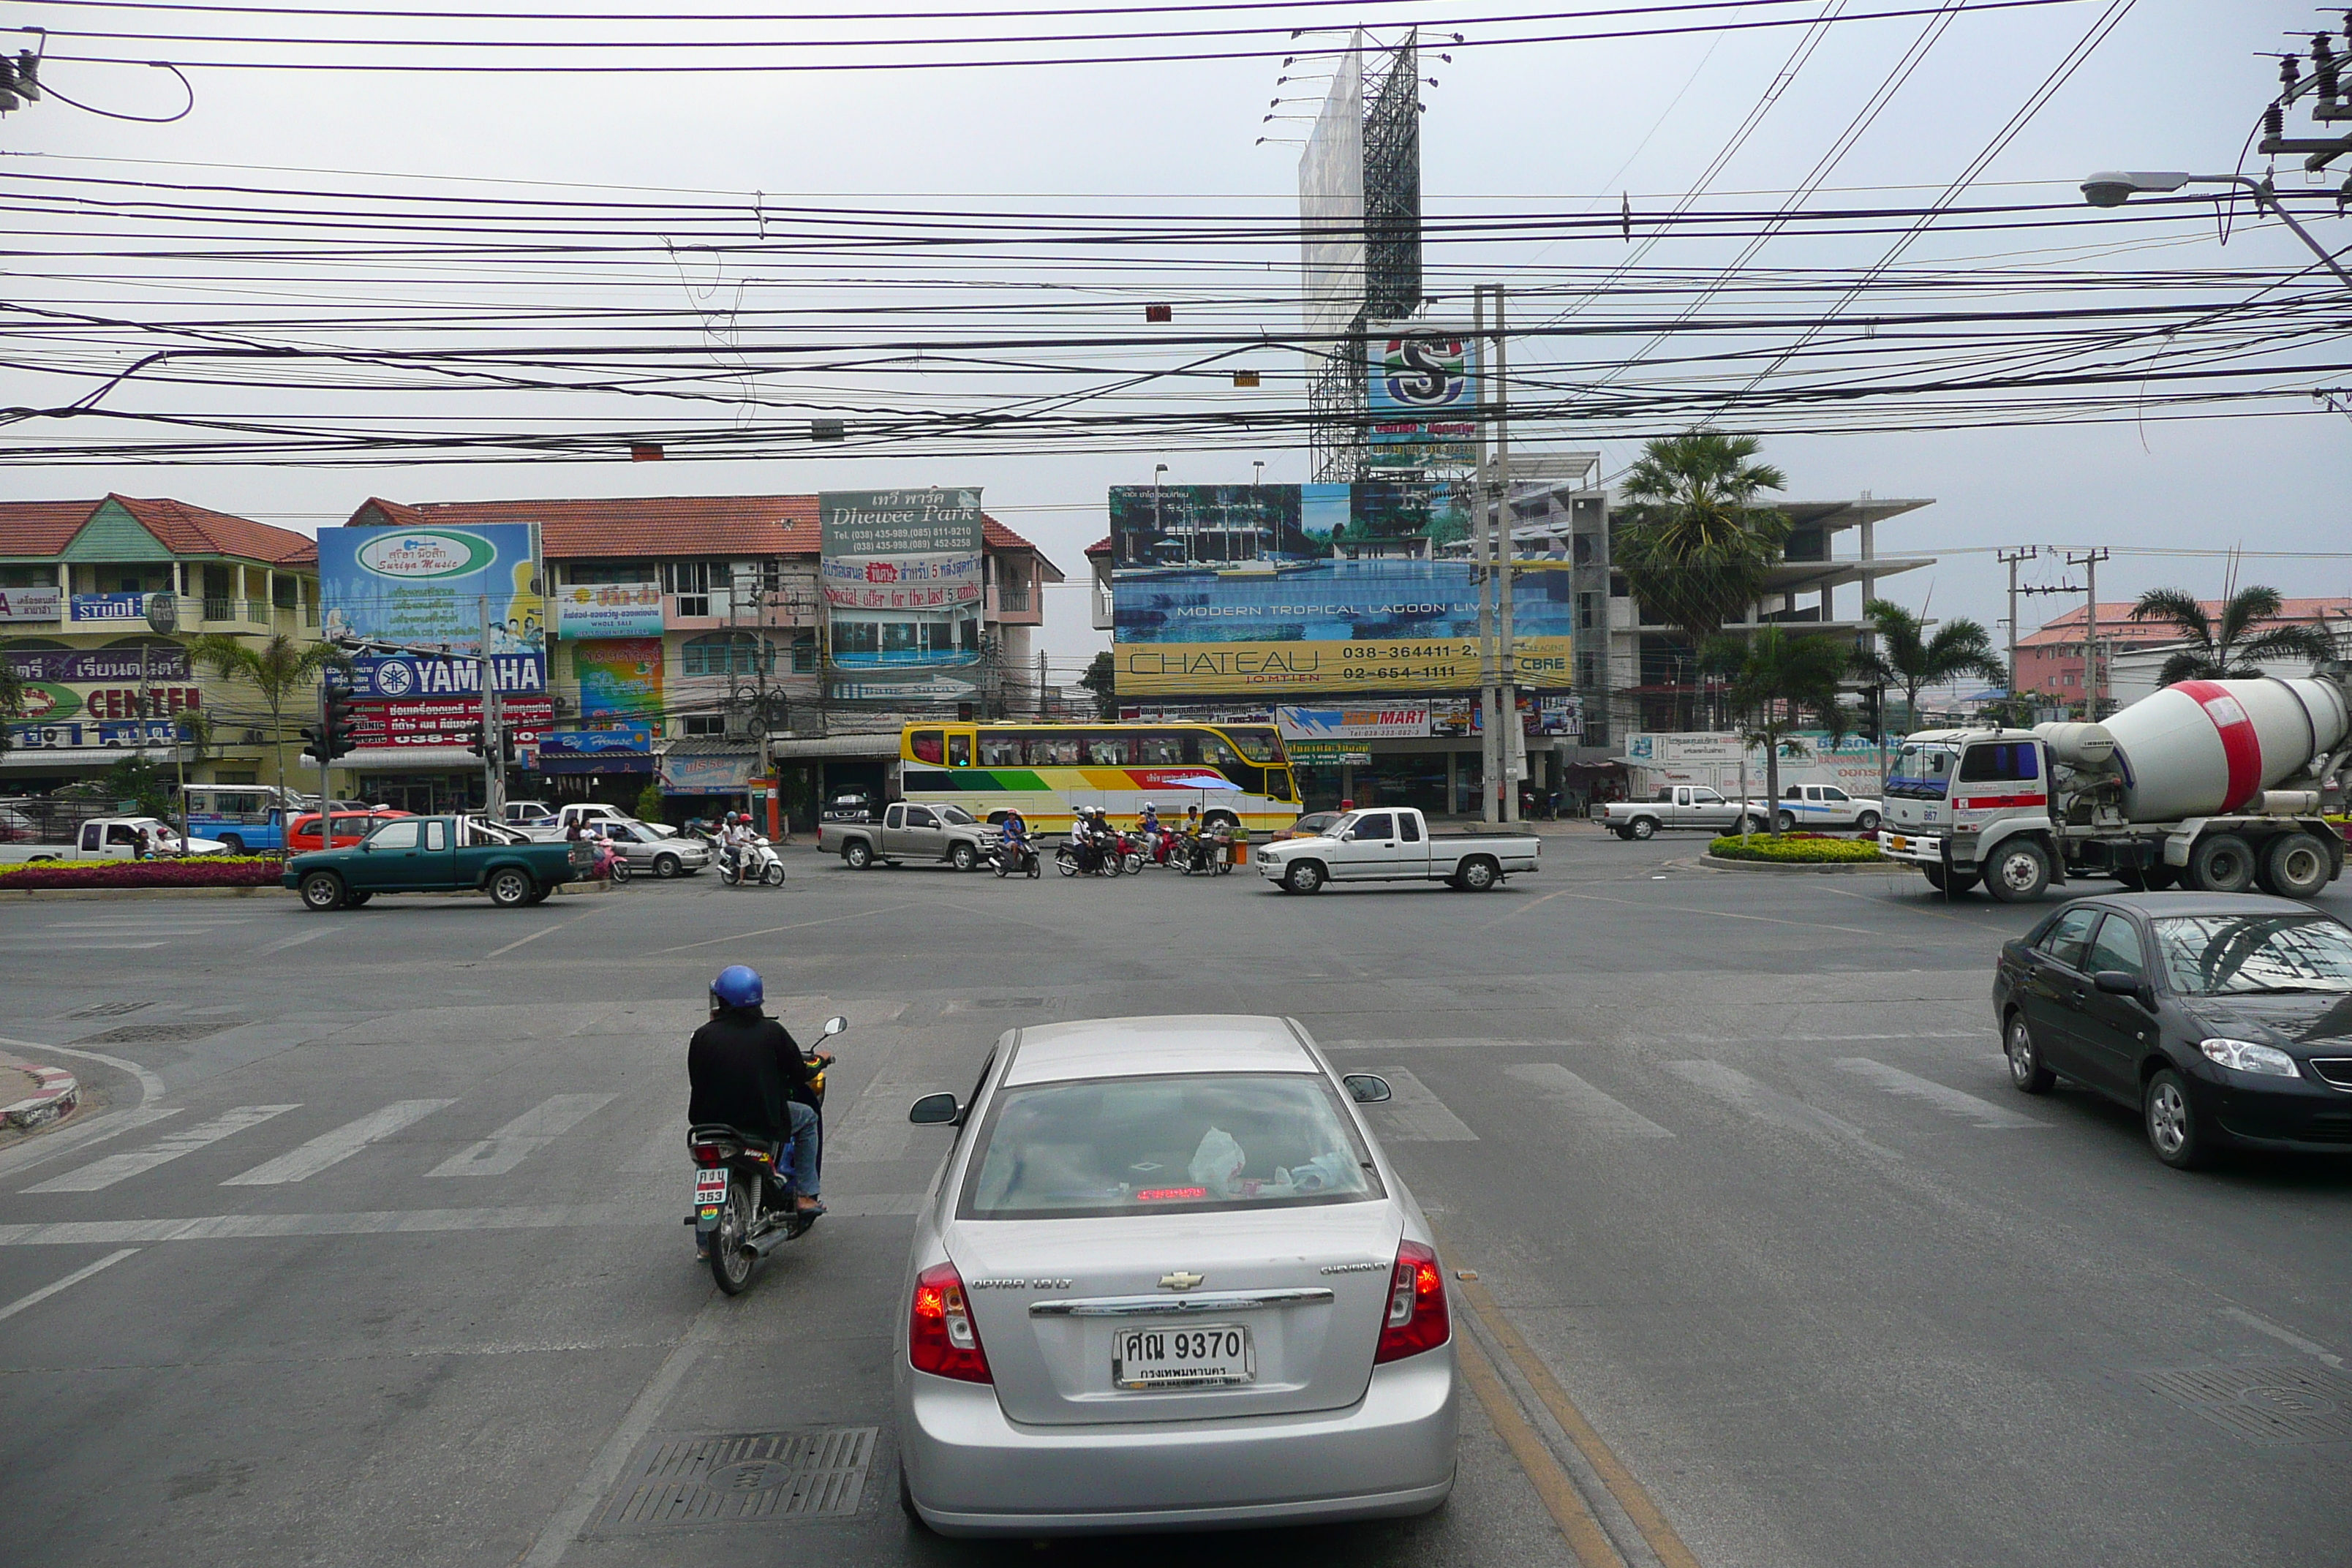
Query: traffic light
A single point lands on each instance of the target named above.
(478, 743)
(342, 728)
(310, 745)
(1872, 715)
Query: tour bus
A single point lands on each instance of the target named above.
(1236, 773)
(248, 819)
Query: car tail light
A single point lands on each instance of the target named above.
(942, 1338)
(708, 1154)
(1417, 1319)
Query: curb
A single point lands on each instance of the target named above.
(1880, 868)
(57, 1096)
(245, 892)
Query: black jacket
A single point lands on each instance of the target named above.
(745, 1069)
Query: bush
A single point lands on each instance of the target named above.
(1795, 849)
(650, 802)
(195, 871)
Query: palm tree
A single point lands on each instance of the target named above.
(1697, 544)
(1906, 658)
(279, 668)
(2219, 649)
(1781, 681)
(12, 698)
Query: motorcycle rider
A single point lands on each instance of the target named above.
(1084, 839)
(1015, 836)
(733, 837)
(747, 1072)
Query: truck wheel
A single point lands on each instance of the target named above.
(232, 845)
(858, 853)
(2220, 863)
(1783, 821)
(1624, 833)
(2018, 871)
(1643, 828)
(964, 857)
(1479, 874)
(322, 891)
(356, 901)
(1303, 877)
(1867, 822)
(2296, 867)
(667, 866)
(509, 888)
(539, 895)
(1960, 882)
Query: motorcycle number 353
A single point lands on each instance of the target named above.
(709, 1196)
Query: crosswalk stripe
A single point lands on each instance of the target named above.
(1952, 1101)
(1592, 1110)
(664, 1151)
(876, 1128)
(99, 1174)
(333, 1148)
(1768, 1105)
(526, 1134)
(1414, 1115)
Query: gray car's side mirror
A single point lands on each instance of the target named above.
(934, 1110)
(835, 1024)
(1366, 1088)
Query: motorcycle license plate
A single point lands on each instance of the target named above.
(709, 1197)
(1202, 1355)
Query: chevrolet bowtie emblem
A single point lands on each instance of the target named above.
(1179, 1280)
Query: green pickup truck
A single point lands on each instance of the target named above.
(437, 855)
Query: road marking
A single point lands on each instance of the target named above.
(70, 1280)
(1416, 1116)
(545, 931)
(1593, 1111)
(386, 1222)
(1723, 914)
(57, 1145)
(150, 1086)
(333, 1148)
(1558, 1494)
(877, 1127)
(297, 940)
(55, 945)
(797, 925)
(102, 1173)
(2259, 1326)
(1951, 1101)
(526, 1135)
(1769, 1106)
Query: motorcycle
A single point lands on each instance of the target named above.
(744, 1205)
(610, 863)
(756, 862)
(1020, 859)
(1106, 856)
(1208, 853)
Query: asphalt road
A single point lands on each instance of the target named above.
(375, 1256)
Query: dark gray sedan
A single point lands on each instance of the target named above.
(2223, 1019)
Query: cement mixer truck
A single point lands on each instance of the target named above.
(2214, 785)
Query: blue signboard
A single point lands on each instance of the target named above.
(454, 588)
(598, 743)
(399, 678)
(108, 608)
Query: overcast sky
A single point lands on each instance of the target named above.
(1563, 128)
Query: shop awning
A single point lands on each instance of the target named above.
(707, 771)
(814, 748)
(597, 762)
(49, 759)
(401, 760)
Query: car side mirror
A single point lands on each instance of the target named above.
(2116, 982)
(368, 847)
(1366, 1088)
(835, 1026)
(935, 1111)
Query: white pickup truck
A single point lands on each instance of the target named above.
(1393, 843)
(112, 838)
(1823, 806)
(588, 814)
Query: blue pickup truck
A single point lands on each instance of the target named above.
(437, 855)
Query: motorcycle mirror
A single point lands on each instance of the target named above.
(933, 1110)
(835, 1024)
(1366, 1088)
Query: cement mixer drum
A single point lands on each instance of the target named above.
(2202, 748)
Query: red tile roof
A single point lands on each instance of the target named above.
(2116, 625)
(1099, 548)
(46, 528)
(658, 525)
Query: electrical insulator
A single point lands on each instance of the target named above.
(29, 76)
(2288, 74)
(7, 85)
(2273, 122)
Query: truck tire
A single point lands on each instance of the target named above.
(322, 891)
(2296, 866)
(1478, 874)
(510, 888)
(1642, 828)
(2220, 863)
(1867, 822)
(1303, 877)
(2018, 871)
(858, 853)
(964, 855)
(1958, 882)
(1784, 822)
(232, 845)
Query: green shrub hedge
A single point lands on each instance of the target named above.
(195, 871)
(1794, 851)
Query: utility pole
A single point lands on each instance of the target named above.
(1041, 675)
(1490, 732)
(494, 805)
(2089, 560)
(2009, 558)
(1514, 736)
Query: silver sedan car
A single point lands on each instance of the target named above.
(1167, 1279)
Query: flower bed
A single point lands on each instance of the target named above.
(195, 871)
(1794, 849)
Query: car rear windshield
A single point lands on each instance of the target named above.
(2222, 955)
(1183, 1143)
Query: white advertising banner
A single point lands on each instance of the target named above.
(32, 603)
(1358, 723)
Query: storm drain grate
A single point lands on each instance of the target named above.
(110, 1009)
(739, 1476)
(2266, 1404)
(149, 1034)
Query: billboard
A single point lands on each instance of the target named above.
(32, 603)
(608, 610)
(108, 608)
(1331, 201)
(1312, 588)
(94, 684)
(401, 676)
(901, 574)
(447, 721)
(429, 586)
(1422, 390)
(618, 675)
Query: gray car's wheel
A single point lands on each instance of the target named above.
(322, 891)
(2018, 871)
(1303, 877)
(2026, 1073)
(667, 866)
(858, 853)
(2296, 866)
(1643, 828)
(2219, 863)
(2175, 1131)
(1479, 875)
(510, 888)
(963, 856)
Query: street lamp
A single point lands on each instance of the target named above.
(2114, 187)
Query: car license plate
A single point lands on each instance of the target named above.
(709, 1197)
(1899, 843)
(1202, 1355)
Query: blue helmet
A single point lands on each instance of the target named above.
(738, 985)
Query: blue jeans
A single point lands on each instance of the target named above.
(805, 1149)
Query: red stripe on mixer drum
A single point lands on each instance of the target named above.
(2241, 747)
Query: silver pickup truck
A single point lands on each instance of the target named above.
(909, 830)
(1394, 843)
(1681, 805)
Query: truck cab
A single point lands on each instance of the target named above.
(1954, 795)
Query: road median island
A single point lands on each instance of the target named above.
(33, 1096)
(1795, 852)
(241, 872)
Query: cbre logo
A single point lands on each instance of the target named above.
(424, 554)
